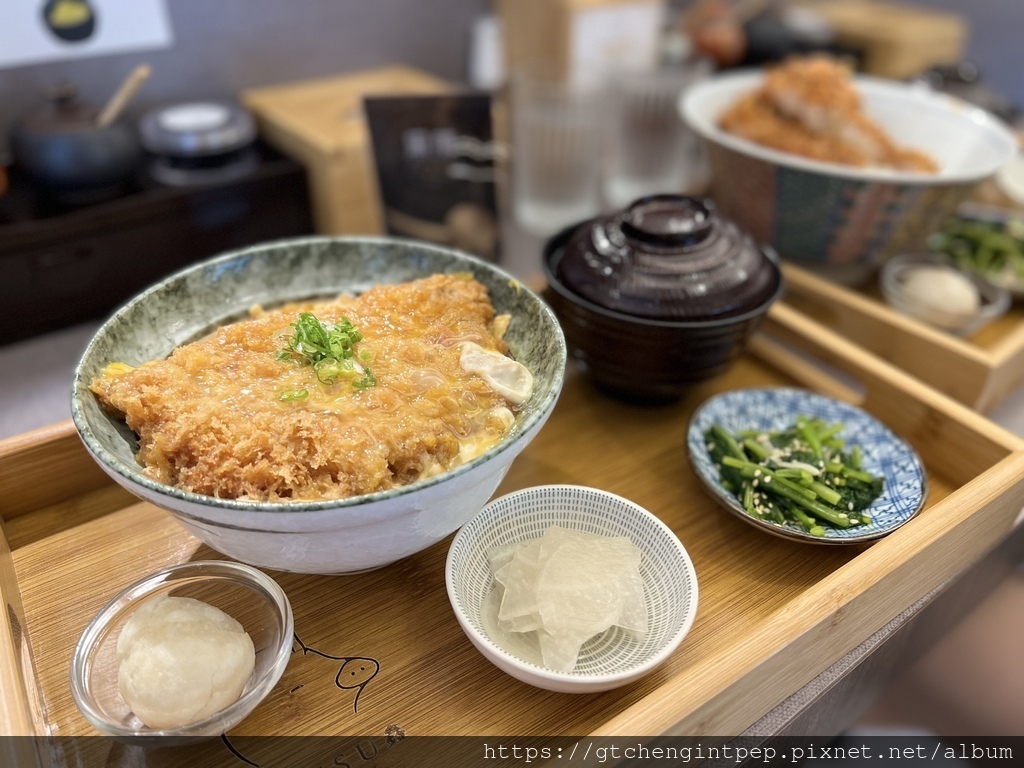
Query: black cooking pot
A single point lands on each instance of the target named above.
(62, 148)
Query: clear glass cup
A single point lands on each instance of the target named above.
(556, 152)
(650, 148)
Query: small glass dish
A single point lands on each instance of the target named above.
(993, 300)
(248, 595)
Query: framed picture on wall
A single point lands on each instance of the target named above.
(38, 31)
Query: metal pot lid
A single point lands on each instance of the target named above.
(64, 114)
(197, 128)
(668, 257)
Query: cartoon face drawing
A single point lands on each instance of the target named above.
(69, 20)
(354, 673)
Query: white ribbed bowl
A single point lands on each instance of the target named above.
(613, 658)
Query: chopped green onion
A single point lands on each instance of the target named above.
(328, 350)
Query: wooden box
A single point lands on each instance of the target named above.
(320, 123)
(568, 39)
(980, 371)
(896, 40)
(773, 614)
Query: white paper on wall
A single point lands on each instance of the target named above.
(616, 37)
(38, 31)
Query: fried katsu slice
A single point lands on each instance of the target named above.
(809, 106)
(233, 416)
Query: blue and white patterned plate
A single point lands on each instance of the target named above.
(774, 409)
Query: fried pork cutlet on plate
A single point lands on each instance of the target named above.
(254, 410)
(809, 106)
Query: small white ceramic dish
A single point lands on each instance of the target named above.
(993, 300)
(249, 596)
(776, 408)
(607, 661)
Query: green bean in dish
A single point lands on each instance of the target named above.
(804, 474)
(990, 247)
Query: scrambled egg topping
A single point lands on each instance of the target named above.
(232, 417)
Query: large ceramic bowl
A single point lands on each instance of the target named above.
(323, 537)
(842, 221)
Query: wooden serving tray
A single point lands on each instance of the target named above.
(772, 614)
(980, 371)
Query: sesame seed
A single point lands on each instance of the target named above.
(767, 479)
(849, 505)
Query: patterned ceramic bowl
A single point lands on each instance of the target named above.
(615, 657)
(841, 221)
(323, 537)
(884, 454)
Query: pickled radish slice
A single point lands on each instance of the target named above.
(564, 589)
(524, 645)
(579, 588)
(501, 556)
(520, 600)
(560, 650)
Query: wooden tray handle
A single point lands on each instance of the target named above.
(20, 711)
(821, 358)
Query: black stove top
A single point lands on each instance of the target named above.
(65, 259)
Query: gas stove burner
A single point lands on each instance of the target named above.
(199, 143)
(197, 171)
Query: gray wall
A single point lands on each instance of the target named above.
(223, 46)
(996, 41)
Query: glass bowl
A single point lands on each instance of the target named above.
(993, 300)
(613, 658)
(248, 595)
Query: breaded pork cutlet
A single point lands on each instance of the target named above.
(809, 106)
(245, 414)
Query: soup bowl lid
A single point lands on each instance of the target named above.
(668, 257)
